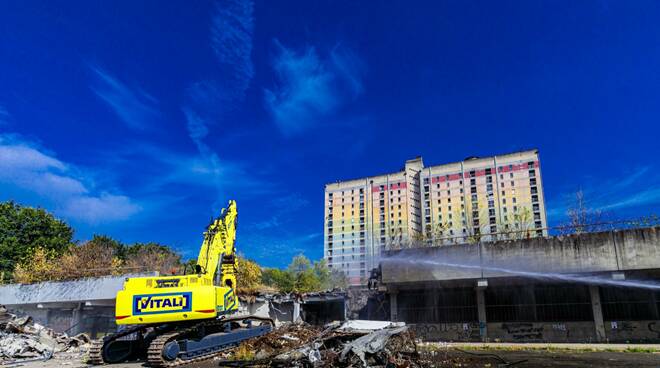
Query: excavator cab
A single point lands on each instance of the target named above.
(147, 300)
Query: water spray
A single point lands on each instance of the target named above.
(585, 279)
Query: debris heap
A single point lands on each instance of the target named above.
(21, 338)
(351, 344)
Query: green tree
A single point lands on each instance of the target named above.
(282, 280)
(323, 274)
(248, 275)
(299, 264)
(23, 229)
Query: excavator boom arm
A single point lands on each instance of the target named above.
(218, 248)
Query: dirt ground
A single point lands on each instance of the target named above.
(449, 357)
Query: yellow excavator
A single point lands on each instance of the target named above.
(183, 319)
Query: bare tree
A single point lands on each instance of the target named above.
(518, 225)
(581, 218)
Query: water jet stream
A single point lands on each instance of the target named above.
(586, 279)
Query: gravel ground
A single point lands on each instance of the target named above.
(447, 356)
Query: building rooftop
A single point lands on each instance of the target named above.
(402, 171)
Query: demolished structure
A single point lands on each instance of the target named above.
(590, 287)
(21, 338)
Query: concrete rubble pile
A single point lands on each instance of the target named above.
(21, 338)
(351, 344)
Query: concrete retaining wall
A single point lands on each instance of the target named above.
(557, 332)
(624, 250)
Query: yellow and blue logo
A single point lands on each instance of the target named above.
(162, 303)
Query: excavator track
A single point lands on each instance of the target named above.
(156, 358)
(96, 350)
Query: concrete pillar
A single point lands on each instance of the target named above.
(481, 311)
(296, 312)
(654, 305)
(435, 315)
(77, 320)
(394, 317)
(532, 297)
(598, 313)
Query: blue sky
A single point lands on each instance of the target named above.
(140, 119)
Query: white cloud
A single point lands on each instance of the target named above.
(310, 88)
(136, 108)
(28, 169)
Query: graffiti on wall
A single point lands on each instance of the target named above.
(524, 331)
(633, 331)
(655, 328)
(447, 331)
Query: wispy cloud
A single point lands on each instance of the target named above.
(210, 100)
(28, 169)
(269, 251)
(136, 108)
(4, 116)
(280, 209)
(231, 35)
(190, 169)
(635, 188)
(310, 87)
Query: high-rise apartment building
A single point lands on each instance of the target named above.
(478, 199)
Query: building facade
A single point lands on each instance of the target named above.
(478, 199)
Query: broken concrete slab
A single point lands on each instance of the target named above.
(20, 338)
(365, 325)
